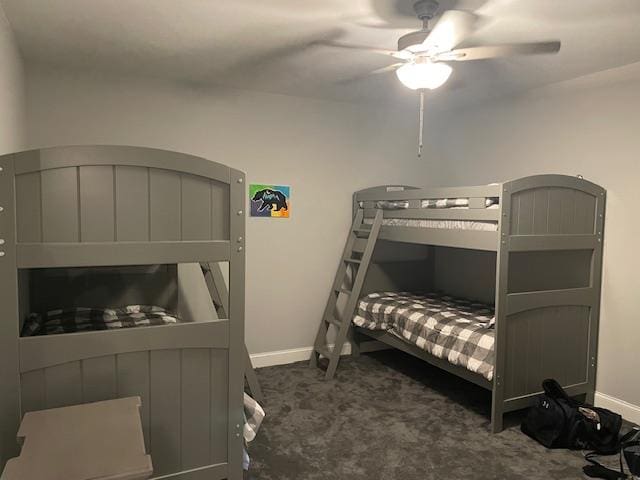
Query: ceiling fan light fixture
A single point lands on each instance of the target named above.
(424, 75)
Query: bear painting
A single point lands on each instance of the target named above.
(270, 200)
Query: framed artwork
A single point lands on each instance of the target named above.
(270, 200)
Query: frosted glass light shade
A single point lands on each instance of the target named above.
(424, 75)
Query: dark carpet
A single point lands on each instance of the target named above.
(389, 416)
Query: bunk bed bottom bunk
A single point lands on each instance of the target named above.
(458, 336)
(151, 331)
(449, 328)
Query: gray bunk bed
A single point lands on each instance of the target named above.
(517, 267)
(99, 226)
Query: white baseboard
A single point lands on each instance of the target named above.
(283, 357)
(628, 411)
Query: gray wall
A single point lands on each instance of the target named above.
(324, 150)
(12, 118)
(588, 126)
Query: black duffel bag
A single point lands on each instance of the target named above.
(559, 421)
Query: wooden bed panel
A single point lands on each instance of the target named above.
(195, 413)
(33, 391)
(99, 378)
(585, 212)
(549, 270)
(28, 207)
(220, 207)
(164, 205)
(132, 203)
(524, 221)
(60, 206)
(219, 405)
(184, 399)
(552, 211)
(97, 206)
(164, 371)
(106, 203)
(550, 342)
(63, 385)
(132, 370)
(195, 206)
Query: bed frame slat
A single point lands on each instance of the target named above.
(28, 207)
(132, 203)
(164, 205)
(97, 204)
(195, 207)
(164, 404)
(60, 206)
(49, 255)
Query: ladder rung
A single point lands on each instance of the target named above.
(343, 290)
(352, 260)
(362, 230)
(333, 321)
(360, 245)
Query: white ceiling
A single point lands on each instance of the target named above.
(270, 45)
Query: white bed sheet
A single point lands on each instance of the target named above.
(477, 225)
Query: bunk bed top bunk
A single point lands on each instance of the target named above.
(471, 217)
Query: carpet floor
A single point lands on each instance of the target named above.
(388, 416)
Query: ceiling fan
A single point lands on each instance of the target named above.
(424, 53)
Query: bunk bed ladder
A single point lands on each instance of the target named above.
(355, 260)
(220, 297)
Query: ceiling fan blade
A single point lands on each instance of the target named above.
(389, 68)
(365, 48)
(497, 51)
(452, 28)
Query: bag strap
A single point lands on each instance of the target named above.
(553, 389)
(597, 470)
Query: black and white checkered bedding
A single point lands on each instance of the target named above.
(81, 319)
(453, 329)
(253, 416)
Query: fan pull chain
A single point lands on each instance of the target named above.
(421, 125)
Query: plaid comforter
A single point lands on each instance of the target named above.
(253, 416)
(81, 319)
(453, 329)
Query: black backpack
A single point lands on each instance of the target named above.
(558, 421)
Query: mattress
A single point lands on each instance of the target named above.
(489, 202)
(453, 329)
(477, 225)
(82, 319)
